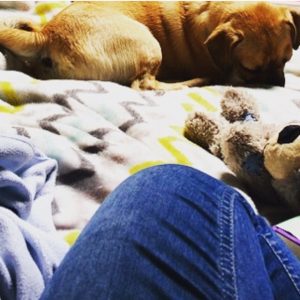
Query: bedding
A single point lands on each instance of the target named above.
(101, 132)
(29, 240)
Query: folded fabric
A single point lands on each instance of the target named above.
(289, 231)
(30, 249)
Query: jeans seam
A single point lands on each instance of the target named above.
(227, 245)
(285, 267)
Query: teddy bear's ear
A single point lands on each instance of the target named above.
(288, 134)
(204, 130)
(238, 105)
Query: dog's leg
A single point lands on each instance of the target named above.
(148, 57)
(148, 82)
(18, 5)
(115, 48)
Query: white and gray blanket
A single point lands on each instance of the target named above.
(100, 132)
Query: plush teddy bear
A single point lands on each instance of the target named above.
(266, 157)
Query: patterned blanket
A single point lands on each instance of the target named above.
(100, 132)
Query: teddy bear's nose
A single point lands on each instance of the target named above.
(288, 134)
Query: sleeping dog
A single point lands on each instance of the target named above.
(139, 43)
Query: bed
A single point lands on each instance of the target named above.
(97, 134)
(101, 132)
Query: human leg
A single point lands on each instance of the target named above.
(174, 232)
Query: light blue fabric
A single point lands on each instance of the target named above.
(30, 249)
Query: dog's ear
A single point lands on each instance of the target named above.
(295, 27)
(24, 43)
(220, 44)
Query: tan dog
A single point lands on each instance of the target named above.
(135, 42)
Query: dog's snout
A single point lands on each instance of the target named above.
(279, 81)
(269, 77)
(276, 80)
(276, 76)
(273, 81)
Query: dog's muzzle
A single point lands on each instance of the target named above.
(275, 76)
(278, 81)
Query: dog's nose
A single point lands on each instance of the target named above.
(276, 80)
(275, 76)
(279, 81)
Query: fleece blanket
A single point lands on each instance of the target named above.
(100, 132)
(75, 141)
(28, 240)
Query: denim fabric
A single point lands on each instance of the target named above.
(172, 232)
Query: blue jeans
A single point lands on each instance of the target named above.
(173, 232)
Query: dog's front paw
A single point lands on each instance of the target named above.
(196, 82)
(148, 82)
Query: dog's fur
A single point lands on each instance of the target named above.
(16, 5)
(135, 42)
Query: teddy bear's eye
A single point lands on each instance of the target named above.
(288, 134)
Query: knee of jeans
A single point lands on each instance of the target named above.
(165, 168)
(173, 173)
(166, 172)
(159, 187)
(152, 189)
(158, 193)
(155, 179)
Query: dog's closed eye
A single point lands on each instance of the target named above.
(47, 62)
(252, 70)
